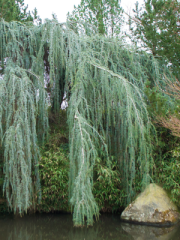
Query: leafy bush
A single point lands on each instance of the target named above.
(106, 188)
(54, 169)
(169, 174)
(167, 151)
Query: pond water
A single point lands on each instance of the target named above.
(60, 226)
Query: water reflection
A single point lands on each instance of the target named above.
(141, 232)
(60, 226)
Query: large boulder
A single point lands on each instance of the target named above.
(152, 206)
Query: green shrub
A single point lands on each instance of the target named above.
(54, 169)
(107, 186)
(166, 153)
(169, 175)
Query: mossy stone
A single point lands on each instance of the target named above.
(152, 206)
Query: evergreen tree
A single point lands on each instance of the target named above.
(156, 25)
(14, 10)
(104, 16)
(107, 112)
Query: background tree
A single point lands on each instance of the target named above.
(104, 15)
(157, 27)
(16, 10)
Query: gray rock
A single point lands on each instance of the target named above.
(152, 206)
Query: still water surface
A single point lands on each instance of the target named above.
(60, 226)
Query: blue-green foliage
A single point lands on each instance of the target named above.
(18, 124)
(104, 81)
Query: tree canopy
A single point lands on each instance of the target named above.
(156, 25)
(15, 10)
(104, 16)
(104, 80)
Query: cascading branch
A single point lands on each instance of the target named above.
(23, 98)
(21, 152)
(104, 80)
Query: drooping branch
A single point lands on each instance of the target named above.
(20, 140)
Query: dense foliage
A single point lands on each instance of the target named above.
(102, 16)
(155, 26)
(15, 10)
(107, 188)
(165, 114)
(54, 169)
(54, 172)
(104, 82)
